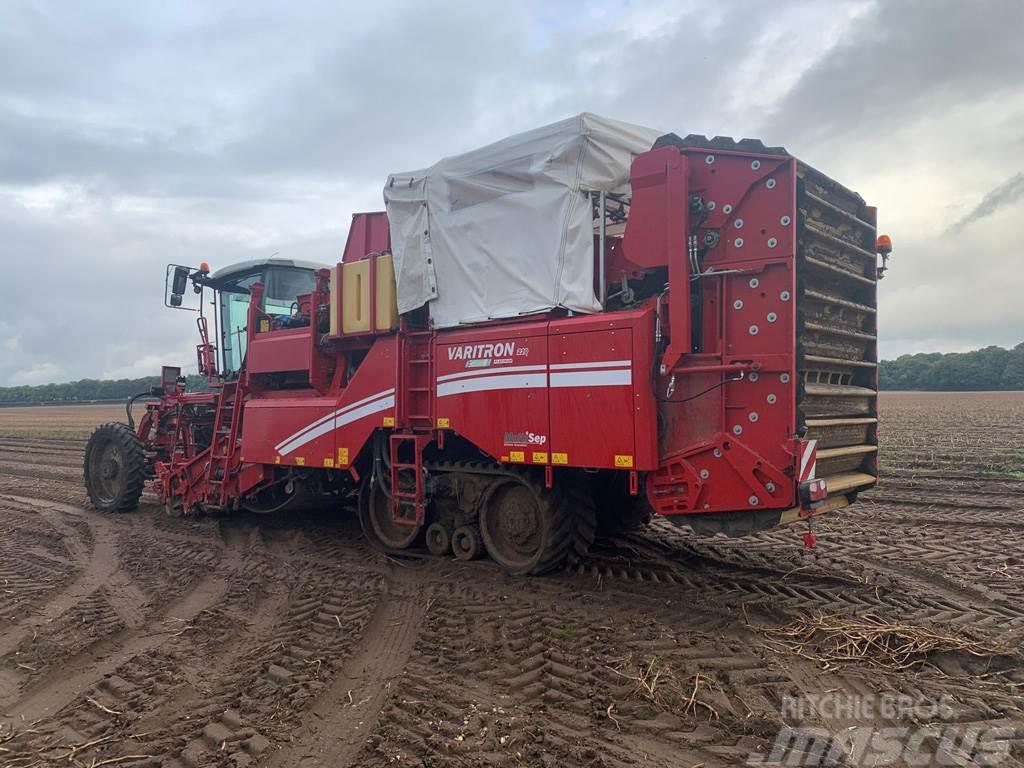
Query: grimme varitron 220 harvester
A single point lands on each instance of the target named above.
(577, 327)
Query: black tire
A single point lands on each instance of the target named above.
(616, 510)
(115, 468)
(529, 529)
(375, 518)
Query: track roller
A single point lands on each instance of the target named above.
(466, 543)
(439, 539)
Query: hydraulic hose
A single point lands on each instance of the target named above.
(128, 408)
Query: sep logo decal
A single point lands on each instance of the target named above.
(525, 438)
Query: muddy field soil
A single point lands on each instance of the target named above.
(146, 640)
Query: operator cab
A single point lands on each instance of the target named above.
(283, 280)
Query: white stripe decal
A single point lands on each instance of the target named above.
(809, 451)
(354, 414)
(487, 383)
(608, 364)
(491, 371)
(613, 378)
(324, 419)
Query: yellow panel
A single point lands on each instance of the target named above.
(540, 457)
(355, 297)
(623, 461)
(444, 423)
(343, 457)
(389, 421)
(335, 300)
(517, 455)
(559, 458)
(387, 297)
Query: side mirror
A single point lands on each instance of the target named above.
(176, 285)
(180, 281)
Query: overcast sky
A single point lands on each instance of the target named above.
(133, 134)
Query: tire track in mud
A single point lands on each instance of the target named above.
(338, 723)
(100, 571)
(503, 676)
(76, 674)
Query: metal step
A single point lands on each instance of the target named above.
(837, 361)
(844, 482)
(835, 433)
(838, 271)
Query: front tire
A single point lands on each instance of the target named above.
(115, 468)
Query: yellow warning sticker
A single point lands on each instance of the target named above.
(277, 459)
(623, 461)
(517, 455)
(328, 462)
(559, 458)
(444, 423)
(504, 458)
(389, 421)
(343, 457)
(300, 460)
(540, 457)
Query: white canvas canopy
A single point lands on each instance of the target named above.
(506, 230)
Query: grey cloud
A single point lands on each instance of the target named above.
(1007, 193)
(901, 59)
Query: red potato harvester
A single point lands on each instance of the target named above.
(513, 357)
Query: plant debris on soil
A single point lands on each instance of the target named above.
(833, 640)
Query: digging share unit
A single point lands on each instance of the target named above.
(573, 329)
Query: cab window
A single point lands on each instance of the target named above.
(282, 286)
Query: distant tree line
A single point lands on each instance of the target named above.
(982, 369)
(86, 390)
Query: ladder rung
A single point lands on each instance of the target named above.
(852, 450)
(839, 361)
(840, 422)
(838, 270)
(837, 331)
